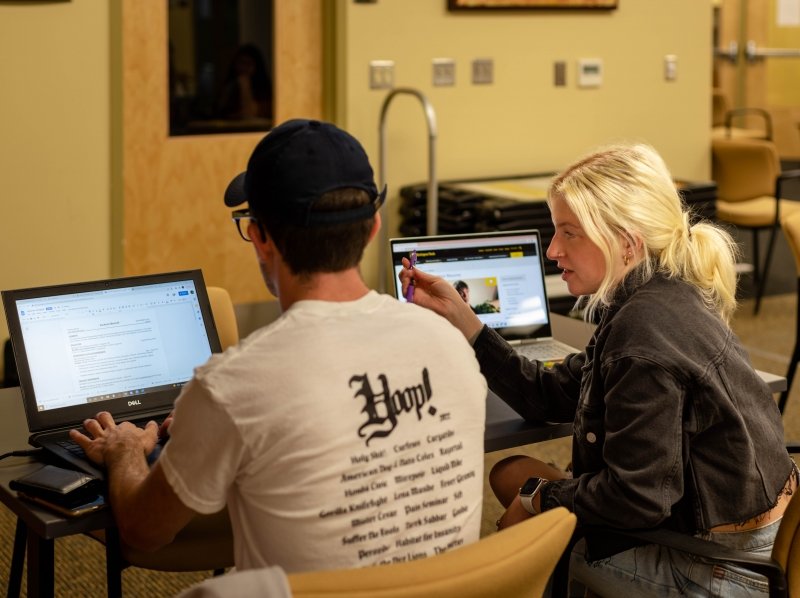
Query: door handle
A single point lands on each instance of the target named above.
(753, 53)
(732, 53)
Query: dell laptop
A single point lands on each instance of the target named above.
(126, 346)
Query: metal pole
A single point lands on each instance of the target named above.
(433, 197)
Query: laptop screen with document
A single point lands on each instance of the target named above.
(125, 345)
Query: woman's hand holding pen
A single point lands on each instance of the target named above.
(440, 296)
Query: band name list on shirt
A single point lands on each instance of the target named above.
(401, 498)
(410, 495)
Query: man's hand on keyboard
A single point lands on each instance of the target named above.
(105, 440)
(163, 429)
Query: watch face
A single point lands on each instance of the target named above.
(530, 485)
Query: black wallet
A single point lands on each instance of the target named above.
(64, 487)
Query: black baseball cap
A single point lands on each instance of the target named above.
(296, 163)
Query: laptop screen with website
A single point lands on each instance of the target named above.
(500, 275)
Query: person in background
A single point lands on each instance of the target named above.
(485, 307)
(673, 427)
(463, 290)
(247, 88)
(336, 436)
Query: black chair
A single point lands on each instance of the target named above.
(791, 230)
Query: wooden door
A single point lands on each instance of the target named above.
(759, 64)
(169, 212)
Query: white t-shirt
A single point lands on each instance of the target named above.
(342, 435)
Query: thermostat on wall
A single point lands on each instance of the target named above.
(590, 72)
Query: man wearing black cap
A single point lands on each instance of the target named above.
(349, 432)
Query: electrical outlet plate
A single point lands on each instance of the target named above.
(670, 67)
(444, 72)
(482, 71)
(381, 74)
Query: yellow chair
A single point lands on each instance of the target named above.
(725, 127)
(515, 562)
(749, 185)
(722, 117)
(224, 316)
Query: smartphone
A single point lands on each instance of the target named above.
(90, 506)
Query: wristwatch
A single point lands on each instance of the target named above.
(529, 491)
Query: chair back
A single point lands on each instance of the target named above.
(744, 168)
(786, 550)
(224, 316)
(791, 230)
(765, 133)
(517, 561)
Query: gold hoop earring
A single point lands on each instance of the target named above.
(626, 258)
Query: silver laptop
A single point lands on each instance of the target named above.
(501, 276)
(126, 346)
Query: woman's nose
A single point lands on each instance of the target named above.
(551, 250)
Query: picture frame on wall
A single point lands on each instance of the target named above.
(525, 4)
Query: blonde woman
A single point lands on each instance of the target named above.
(673, 427)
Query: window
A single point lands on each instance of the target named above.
(220, 66)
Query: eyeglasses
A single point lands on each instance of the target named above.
(237, 216)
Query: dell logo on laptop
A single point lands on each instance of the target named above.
(134, 402)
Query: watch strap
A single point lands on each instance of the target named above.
(527, 499)
(527, 503)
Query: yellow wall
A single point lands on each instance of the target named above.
(522, 123)
(54, 143)
(56, 107)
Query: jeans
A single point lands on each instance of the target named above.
(658, 571)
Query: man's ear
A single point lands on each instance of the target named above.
(376, 226)
(261, 242)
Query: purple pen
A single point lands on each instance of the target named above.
(410, 290)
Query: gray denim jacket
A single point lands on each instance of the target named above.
(672, 425)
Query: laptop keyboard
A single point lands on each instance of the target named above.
(73, 447)
(544, 351)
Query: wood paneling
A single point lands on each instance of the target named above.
(173, 214)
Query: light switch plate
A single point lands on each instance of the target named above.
(482, 71)
(444, 72)
(670, 67)
(381, 74)
(590, 72)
